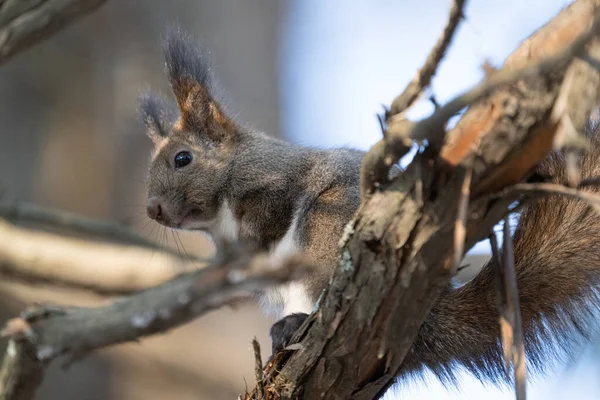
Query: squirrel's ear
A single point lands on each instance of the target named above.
(190, 75)
(157, 114)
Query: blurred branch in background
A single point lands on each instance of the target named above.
(31, 214)
(38, 257)
(44, 333)
(26, 22)
(62, 222)
(106, 267)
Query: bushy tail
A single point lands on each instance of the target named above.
(557, 255)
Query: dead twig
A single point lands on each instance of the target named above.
(511, 330)
(460, 226)
(592, 198)
(378, 160)
(258, 368)
(21, 372)
(506, 333)
(514, 310)
(423, 77)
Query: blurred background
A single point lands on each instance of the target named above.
(310, 71)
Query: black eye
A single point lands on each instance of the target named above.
(182, 159)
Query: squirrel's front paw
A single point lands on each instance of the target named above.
(282, 331)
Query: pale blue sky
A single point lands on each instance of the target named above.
(341, 60)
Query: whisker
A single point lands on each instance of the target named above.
(176, 244)
(154, 228)
(185, 251)
(166, 243)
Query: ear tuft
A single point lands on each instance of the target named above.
(157, 114)
(187, 64)
(191, 79)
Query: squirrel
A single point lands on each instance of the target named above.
(212, 174)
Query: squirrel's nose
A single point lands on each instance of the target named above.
(154, 210)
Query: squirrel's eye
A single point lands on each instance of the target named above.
(182, 159)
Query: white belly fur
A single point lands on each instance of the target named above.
(226, 226)
(290, 298)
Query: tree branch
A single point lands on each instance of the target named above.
(106, 268)
(354, 345)
(377, 161)
(432, 128)
(529, 189)
(65, 222)
(401, 133)
(51, 332)
(510, 313)
(24, 23)
(424, 75)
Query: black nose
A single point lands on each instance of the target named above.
(154, 210)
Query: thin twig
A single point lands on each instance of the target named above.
(592, 198)
(419, 184)
(423, 77)
(379, 159)
(460, 226)
(512, 295)
(505, 317)
(258, 367)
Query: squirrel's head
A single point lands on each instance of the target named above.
(194, 142)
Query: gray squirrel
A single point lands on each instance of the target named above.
(210, 173)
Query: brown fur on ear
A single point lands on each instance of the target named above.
(157, 114)
(191, 79)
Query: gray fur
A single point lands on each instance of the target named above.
(263, 179)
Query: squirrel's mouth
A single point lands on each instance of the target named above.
(195, 219)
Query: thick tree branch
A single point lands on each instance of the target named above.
(51, 332)
(355, 344)
(25, 22)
